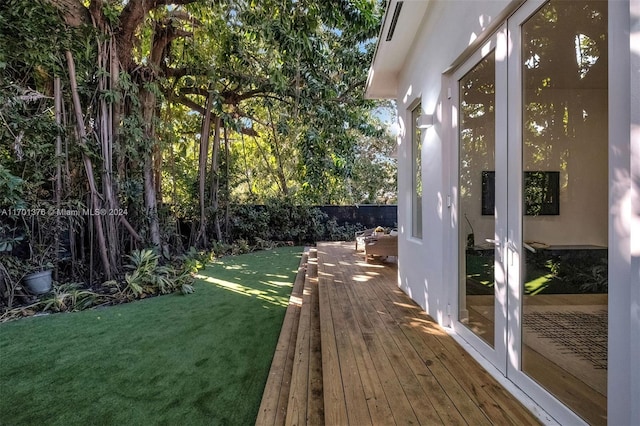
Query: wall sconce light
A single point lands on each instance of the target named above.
(424, 121)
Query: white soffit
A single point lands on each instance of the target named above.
(390, 55)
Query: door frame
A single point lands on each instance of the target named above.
(542, 396)
(506, 356)
(496, 42)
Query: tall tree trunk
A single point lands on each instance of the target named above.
(157, 168)
(201, 237)
(226, 185)
(281, 176)
(148, 102)
(57, 95)
(246, 167)
(95, 196)
(106, 139)
(215, 179)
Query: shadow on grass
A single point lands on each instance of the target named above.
(262, 278)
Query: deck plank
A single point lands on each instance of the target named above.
(273, 406)
(391, 386)
(484, 391)
(355, 399)
(445, 389)
(370, 355)
(335, 409)
(315, 409)
(298, 394)
(404, 363)
(365, 351)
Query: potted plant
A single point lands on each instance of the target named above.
(38, 279)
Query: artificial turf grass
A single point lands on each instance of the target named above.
(197, 359)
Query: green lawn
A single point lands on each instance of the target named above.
(188, 360)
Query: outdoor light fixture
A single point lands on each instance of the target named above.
(424, 121)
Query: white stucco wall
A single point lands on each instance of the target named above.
(634, 284)
(447, 31)
(624, 214)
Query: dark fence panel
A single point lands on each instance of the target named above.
(368, 215)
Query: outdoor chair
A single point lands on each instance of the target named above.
(362, 235)
(382, 245)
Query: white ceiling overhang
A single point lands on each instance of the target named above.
(401, 23)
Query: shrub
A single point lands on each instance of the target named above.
(149, 277)
(282, 220)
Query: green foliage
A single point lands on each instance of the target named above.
(220, 248)
(8, 238)
(240, 247)
(28, 30)
(147, 276)
(10, 190)
(69, 298)
(12, 270)
(572, 272)
(286, 79)
(282, 220)
(595, 279)
(194, 260)
(335, 232)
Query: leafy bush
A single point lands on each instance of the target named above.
(70, 297)
(10, 190)
(335, 232)
(220, 248)
(240, 247)
(282, 220)
(149, 277)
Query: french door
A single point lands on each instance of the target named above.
(480, 88)
(530, 115)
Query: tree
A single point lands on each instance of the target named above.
(265, 97)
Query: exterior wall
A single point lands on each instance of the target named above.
(624, 216)
(458, 23)
(634, 283)
(425, 272)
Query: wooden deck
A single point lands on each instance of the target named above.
(355, 350)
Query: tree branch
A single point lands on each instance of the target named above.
(73, 11)
(190, 104)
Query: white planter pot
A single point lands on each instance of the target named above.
(38, 282)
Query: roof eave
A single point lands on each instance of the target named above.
(393, 47)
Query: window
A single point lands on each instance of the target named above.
(416, 184)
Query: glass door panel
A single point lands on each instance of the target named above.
(565, 203)
(476, 216)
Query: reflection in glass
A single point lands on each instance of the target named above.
(564, 320)
(477, 156)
